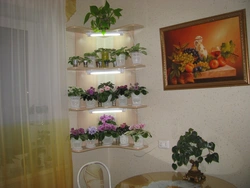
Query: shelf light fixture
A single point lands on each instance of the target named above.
(107, 34)
(106, 110)
(108, 71)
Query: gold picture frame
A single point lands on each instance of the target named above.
(205, 53)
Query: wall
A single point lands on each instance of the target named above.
(218, 114)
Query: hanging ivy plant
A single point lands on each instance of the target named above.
(102, 17)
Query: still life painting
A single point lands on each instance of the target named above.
(210, 52)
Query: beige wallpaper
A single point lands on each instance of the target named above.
(220, 115)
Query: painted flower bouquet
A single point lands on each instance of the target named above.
(106, 127)
(138, 130)
(90, 94)
(104, 91)
(137, 89)
(77, 133)
(122, 129)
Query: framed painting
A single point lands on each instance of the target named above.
(209, 52)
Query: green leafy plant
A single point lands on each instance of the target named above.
(94, 54)
(122, 50)
(137, 48)
(71, 59)
(75, 91)
(190, 148)
(122, 90)
(90, 94)
(102, 17)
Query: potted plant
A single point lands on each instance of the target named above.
(102, 17)
(191, 148)
(120, 55)
(122, 93)
(135, 53)
(105, 55)
(75, 60)
(90, 96)
(77, 137)
(137, 132)
(91, 136)
(121, 130)
(107, 129)
(75, 95)
(106, 94)
(92, 56)
(136, 91)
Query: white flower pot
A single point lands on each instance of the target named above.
(90, 104)
(136, 57)
(123, 101)
(136, 99)
(108, 103)
(90, 143)
(93, 62)
(124, 141)
(107, 141)
(139, 143)
(75, 102)
(76, 144)
(120, 60)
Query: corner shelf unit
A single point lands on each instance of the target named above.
(82, 43)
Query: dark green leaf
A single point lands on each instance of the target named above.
(94, 10)
(215, 157)
(87, 17)
(211, 146)
(174, 166)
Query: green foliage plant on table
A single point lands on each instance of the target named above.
(190, 148)
(137, 48)
(75, 91)
(102, 17)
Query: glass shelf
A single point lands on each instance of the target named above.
(85, 30)
(129, 147)
(129, 67)
(121, 107)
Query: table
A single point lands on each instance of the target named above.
(151, 179)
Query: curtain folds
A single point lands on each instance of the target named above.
(34, 127)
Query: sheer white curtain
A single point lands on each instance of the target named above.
(34, 128)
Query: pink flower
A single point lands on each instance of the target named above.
(107, 88)
(101, 90)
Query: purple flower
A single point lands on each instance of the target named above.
(91, 91)
(92, 130)
(106, 127)
(105, 118)
(77, 132)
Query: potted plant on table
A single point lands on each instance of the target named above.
(90, 96)
(106, 94)
(102, 17)
(107, 129)
(75, 95)
(136, 91)
(105, 55)
(135, 53)
(190, 148)
(77, 137)
(75, 60)
(137, 132)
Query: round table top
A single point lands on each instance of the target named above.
(155, 178)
